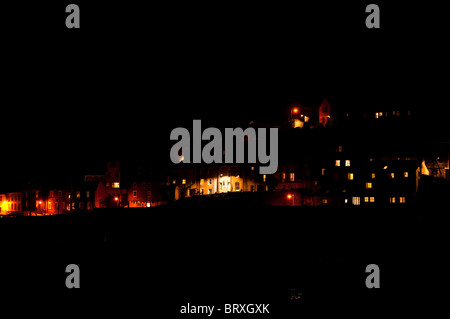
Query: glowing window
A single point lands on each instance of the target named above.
(78, 194)
(324, 201)
(372, 199)
(347, 163)
(366, 199)
(405, 174)
(264, 177)
(323, 171)
(88, 194)
(356, 201)
(292, 177)
(350, 176)
(202, 182)
(373, 175)
(392, 200)
(392, 175)
(337, 163)
(339, 149)
(402, 200)
(183, 181)
(368, 185)
(116, 185)
(253, 168)
(283, 176)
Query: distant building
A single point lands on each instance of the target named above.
(191, 180)
(109, 192)
(311, 116)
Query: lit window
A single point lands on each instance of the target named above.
(338, 163)
(373, 175)
(402, 200)
(292, 177)
(283, 176)
(253, 168)
(49, 205)
(202, 182)
(366, 199)
(339, 149)
(392, 200)
(323, 171)
(183, 181)
(347, 163)
(392, 175)
(346, 201)
(88, 194)
(372, 199)
(405, 174)
(264, 177)
(78, 194)
(324, 201)
(116, 185)
(356, 201)
(368, 185)
(350, 176)
(174, 182)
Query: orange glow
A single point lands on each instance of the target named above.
(40, 202)
(289, 196)
(295, 110)
(116, 199)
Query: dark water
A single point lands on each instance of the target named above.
(153, 261)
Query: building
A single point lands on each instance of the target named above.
(192, 180)
(311, 116)
(108, 192)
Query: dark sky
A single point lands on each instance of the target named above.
(132, 73)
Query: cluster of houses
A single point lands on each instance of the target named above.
(324, 160)
(93, 191)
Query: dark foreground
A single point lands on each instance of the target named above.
(150, 262)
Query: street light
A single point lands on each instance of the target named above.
(291, 196)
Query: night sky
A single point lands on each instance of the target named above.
(72, 99)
